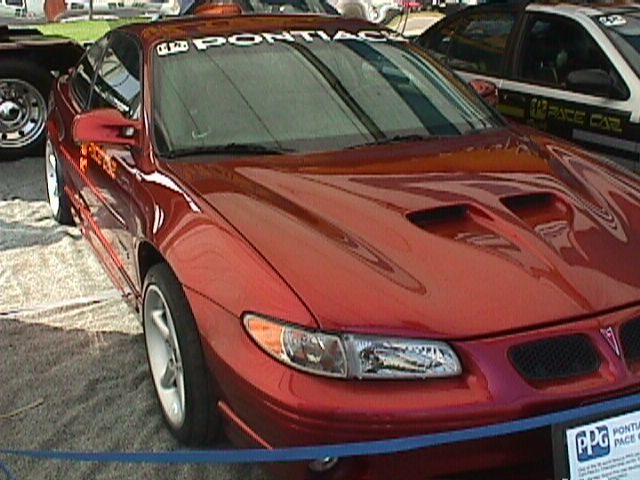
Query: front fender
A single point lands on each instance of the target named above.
(209, 256)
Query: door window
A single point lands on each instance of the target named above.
(439, 38)
(475, 43)
(83, 77)
(117, 82)
(479, 45)
(557, 47)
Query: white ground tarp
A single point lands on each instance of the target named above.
(73, 372)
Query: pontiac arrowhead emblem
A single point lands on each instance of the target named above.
(611, 339)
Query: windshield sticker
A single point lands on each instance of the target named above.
(170, 48)
(251, 39)
(612, 20)
(309, 36)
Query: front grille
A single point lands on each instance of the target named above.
(555, 358)
(630, 339)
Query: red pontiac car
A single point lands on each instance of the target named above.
(330, 238)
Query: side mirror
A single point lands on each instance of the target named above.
(486, 89)
(592, 81)
(105, 126)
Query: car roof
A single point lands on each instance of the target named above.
(203, 26)
(588, 9)
(576, 8)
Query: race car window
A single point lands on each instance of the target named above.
(438, 38)
(82, 79)
(623, 29)
(479, 44)
(555, 48)
(473, 42)
(117, 83)
(312, 93)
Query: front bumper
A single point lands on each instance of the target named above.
(268, 404)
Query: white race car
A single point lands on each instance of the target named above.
(570, 69)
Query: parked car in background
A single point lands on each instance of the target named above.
(29, 61)
(377, 11)
(13, 8)
(57, 10)
(569, 69)
(190, 7)
(349, 246)
(131, 8)
(412, 24)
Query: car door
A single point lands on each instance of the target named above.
(553, 51)
(474, 42)
(76, 101)
(109, 168)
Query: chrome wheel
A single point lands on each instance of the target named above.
(165, 359)
(51, 168)
(23, 113)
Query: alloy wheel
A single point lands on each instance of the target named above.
(51, 169)
(165, 359)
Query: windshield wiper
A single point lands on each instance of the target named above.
(413, 137)
(228, 149)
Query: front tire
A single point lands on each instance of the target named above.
(24, 88)
(176, 361)
(56, 195)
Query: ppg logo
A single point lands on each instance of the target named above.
(592, 443)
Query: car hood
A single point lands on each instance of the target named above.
(455, 238)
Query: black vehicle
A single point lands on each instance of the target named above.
(28, 63)
(570, 69)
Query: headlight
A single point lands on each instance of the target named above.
(313, 352)
(352, 356)
(378, 357)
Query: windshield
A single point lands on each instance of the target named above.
(296, 92)
(623, 29)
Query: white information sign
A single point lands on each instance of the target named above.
(608, 449)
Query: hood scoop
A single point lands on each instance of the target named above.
(462, 222)
(439, 217)
(530, 206)
(528, 202)
(542, 214)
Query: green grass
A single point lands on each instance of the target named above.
(84, 30)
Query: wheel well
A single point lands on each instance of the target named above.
(148, 256)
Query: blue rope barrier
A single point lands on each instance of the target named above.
(379, 447)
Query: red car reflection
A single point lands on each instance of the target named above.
(330, 238)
